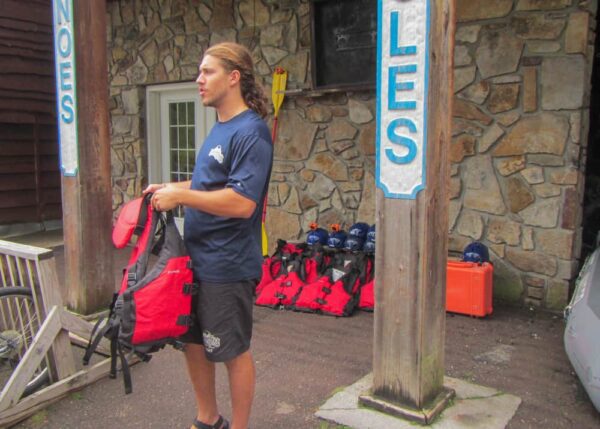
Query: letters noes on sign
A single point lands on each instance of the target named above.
(402, 88)
(64, 54)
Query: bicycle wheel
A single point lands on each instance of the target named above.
(19, 323)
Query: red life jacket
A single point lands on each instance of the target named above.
(153, 306)
(336, 292)
(366, 300)
(284, 289)
(315, 262)
(273, 267)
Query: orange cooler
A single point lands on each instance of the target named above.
(469, 288)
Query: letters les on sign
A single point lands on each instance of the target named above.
(64, 54)
(402, 87)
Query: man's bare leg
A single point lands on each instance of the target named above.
(242, 378)
(202, 375)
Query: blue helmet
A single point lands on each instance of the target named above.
(354, 243)
(316, 235)
(337, 237)
(369, 246)
(476, 252)
(359, 230)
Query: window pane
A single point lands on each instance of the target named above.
(173, 137)
(181, 113)
(191, 162)
(182, 138)
(172, 113)
(174, 162)
(190, 113)
(191, 138)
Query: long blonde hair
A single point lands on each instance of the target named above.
(234, 56)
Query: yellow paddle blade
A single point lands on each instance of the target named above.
(265, 244)
(279, 84)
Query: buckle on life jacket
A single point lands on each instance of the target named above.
(131, 278)
(326, 289)
(287, 283)
(190, 264)
(190, 288)
(321, 301)
(185, 320)
(280, 296)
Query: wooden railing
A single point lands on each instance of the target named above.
(35, 268)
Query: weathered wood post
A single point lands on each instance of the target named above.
(82, 93)
(415, 80)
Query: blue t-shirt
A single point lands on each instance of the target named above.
(237, 154)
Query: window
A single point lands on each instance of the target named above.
(344, 43)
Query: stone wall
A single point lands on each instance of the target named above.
(521, 82)
(522, 79)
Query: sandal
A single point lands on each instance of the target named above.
(220, 424)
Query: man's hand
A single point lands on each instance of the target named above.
(165, 198)
(153, 188)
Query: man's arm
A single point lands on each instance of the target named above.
(153, 187)
(223, 202)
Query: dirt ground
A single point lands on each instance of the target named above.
(302, 359)
(520, 351)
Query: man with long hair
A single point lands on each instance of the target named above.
(223, 203)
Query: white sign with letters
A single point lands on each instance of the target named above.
(402, 88)
(64, 54)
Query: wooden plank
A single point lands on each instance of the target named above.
(17, 199)
(27, 105)
(9, 149)
(16, 117)
(76, 325)
(41, 399)
(27, 181)
(29, 199)
(28, 214)
(19, 132)
(17, 81)
(39, 37)
(13, 51)
(410, 262)
(49, 289)
(25, 26)
(24, 44)
(16, 384)
(18, 9)
(17, 182)
(47, 164)
(24, 251)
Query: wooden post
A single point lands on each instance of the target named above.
(80, 50)
(415, 81)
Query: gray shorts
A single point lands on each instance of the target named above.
(222, 315)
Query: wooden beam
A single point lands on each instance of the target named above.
(410, 263)
(87, 196)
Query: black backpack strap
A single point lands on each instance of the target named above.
(143, 217)
(125, 369)
(95, 338)
(113, 358)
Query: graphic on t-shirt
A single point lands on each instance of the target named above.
(217, 154)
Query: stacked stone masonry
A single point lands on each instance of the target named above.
(522, 73)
